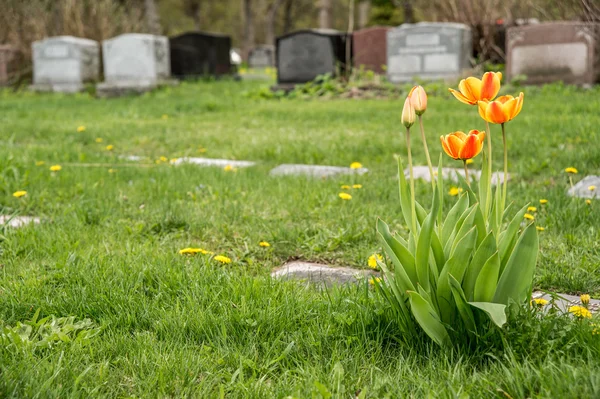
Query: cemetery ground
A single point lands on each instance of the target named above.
(165, 324)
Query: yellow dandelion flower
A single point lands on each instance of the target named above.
(201, 150)
(532, 209)
(543, 201)
(19, 194)
(454, 191)
(163, 159)
(585, 299)
(173, 160)
(540, 228)
(355, 165)
(264, 244)
(190, 251)
(571, 170)
(345, 196)
(222, 259)
(99, 140)
(373, 260)
(112, 171)
(39, 163)
(581, 312)
(539, 302)
(81, 129)
(470, 161)
(589, 202)
(165, 116)
(592, 188)
(229, 168)
(205, 252)
(529, 216)
(357, 186)
(345, 187)
(110, 147)
(372, 280)
(55, 168)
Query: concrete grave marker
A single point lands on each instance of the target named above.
(370, 48)
(18, 221)
(197, 54)
(214, 162)
(554, 51)
(322, 274)
(64, 63)
(589, 187)
(304, 55)
(262, 57)
(422, 172)
(6, 56)
(314, 170)
(135, 63)
(565, 301)
(428, 50)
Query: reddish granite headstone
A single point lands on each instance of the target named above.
(370, 48)
(554, 51)
(6, 55)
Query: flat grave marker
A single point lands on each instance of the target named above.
(554, 51)
(588, 187)
(422, 172)
(18, 221)
(428, 50)
(322, 274)
(222, 163)
(64, 63)
(314, 170)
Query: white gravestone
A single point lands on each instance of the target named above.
(428, 50)
(65, 63)
(135, 62)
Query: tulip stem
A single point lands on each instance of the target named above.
(505, 168)
(426, 151)
(466, 173)
(488, 205)
(412, 185)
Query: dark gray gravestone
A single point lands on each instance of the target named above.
(262, 57)
(196, 54)
(306, 54)
(428, 50)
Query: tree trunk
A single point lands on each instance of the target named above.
(409, 15)
(364, 9)
(192, 8)
(272, 14)
(152, 20)
(287, 20)
(325, 17)
(248, 41)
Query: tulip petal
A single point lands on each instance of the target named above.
(482, 106)
(520, 106)
(460, 97)
(446, 148)
(510, 109)
(490, 86)
(494, 113)
(471, 147)
(462, 136)
(471, 88)
(454, 144)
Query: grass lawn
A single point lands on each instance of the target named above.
(170, 325)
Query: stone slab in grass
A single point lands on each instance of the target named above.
(422, 172)
(321, 274)
(214, 162)
(18, 221)
(315, 170)
(589, 187)
(564, 301)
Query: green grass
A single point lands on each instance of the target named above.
(187, 326)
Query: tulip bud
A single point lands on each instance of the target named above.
(408, 113)
(418, 99)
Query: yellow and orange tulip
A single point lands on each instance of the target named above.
(459, 145)
(408, 113)
(418, 99)
(473, 90)
(501, 110)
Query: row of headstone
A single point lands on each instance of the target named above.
(547, 52)
(66, 63)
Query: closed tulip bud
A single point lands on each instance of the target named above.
(408, 113)
(418, 99)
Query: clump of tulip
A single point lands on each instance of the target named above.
(455, 276)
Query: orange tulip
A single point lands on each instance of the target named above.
(473, 90)
(408, 113)
(463, 146)
(418, 99)
(502, 110)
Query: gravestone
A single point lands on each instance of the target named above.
(6, 55)
(322, 274)
(262, 57)
(428, 50)
(422, 172)
(18, 221)
(221, 163)
(134, 63)
(554, 51)
(588, 187)
(563, 302)
(64, 63)
(303, 55)
(321, 171)
(370, 48)
(197, 54)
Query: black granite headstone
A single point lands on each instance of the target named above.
(304, 55)
(196, 54)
